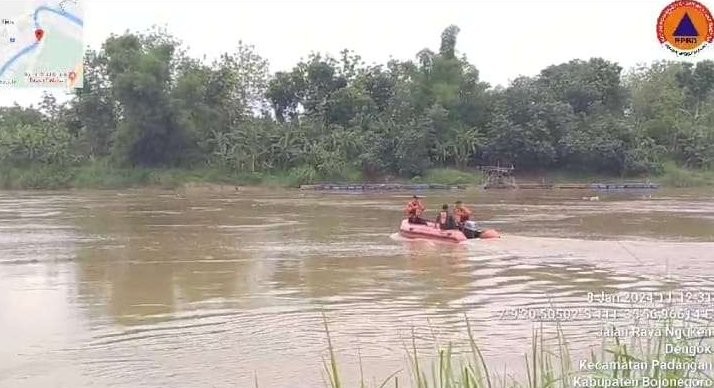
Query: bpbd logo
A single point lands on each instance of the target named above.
(685, 27)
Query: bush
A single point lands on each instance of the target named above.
(676, 176)
(303, 175)
(37, 177)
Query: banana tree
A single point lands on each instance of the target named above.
(464, 144)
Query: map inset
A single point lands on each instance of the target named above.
(41, 43)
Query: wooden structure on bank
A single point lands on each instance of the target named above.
(498, 177)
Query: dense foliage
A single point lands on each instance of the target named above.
(146, 103)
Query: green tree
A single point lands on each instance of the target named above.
(146, 102)
(140, 71)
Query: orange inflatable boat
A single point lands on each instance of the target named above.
(431, 231)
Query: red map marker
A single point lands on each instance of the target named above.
(39, 33)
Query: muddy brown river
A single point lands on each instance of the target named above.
(211, 288)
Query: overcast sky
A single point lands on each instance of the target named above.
(503, 38)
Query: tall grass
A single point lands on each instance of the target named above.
(548, 364)
(102, 175)
(450, 176)
(675, 176)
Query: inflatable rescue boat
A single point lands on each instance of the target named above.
(431, 231)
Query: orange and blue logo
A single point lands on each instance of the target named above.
(685, 27)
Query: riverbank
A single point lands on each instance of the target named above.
(672, 176)
(100, 176)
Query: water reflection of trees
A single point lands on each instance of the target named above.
(452, 281)
(345, 274)
(161, 255)
(148, 264)
(418, 275)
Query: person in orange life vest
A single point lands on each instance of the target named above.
(461, 213)
(444, 220)
(414, 210)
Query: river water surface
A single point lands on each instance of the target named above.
(212, 288)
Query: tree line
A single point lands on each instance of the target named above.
(147, 103)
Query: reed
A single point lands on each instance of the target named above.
(548, 364)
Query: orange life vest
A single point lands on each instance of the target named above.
(462, 214)
(413, 207)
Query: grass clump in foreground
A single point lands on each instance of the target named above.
(642, 362)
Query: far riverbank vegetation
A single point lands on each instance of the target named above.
(149, 114)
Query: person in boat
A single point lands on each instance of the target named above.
(414, 211)
(445, 220)
(462, 214)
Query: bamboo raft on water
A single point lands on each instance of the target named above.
(623, 186)
(579, 186)
(379, 186)
(434, 186)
